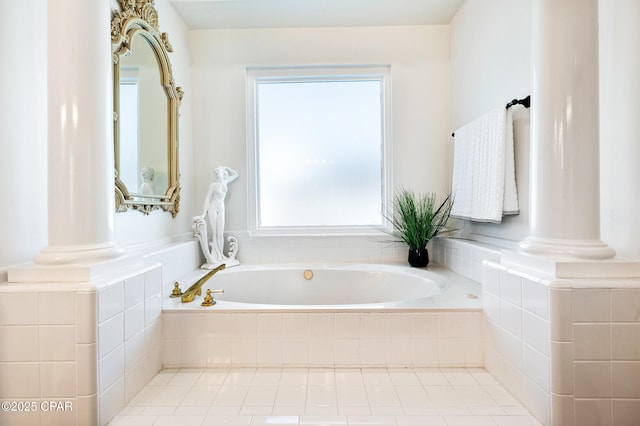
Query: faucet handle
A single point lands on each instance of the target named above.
(208, 299)
(176, 292)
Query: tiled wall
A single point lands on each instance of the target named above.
(45, 350)
(599, 336)
(517, 335)
(130, 325)
(214, 339)
(129, 334)
(568, 349)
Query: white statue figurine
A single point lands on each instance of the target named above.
(213, 248)
(148, 186)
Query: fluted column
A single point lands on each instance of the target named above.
(565, 201)
(80, 141)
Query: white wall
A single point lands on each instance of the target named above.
(620, 125)
(490, 65)
(133, 227)
(23, 136)
(419, 59)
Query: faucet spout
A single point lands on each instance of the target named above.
(196, 288)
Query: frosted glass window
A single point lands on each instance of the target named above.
(320, 152)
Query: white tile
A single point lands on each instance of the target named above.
(244, 352)
(626, 412)
(200, 396)
(57, 308)
(261, 395)
(421, 421)
(625, 379)
(321, 376)
(443, 396)
(18, 308)
(412, 396)
(110, 369)
(511, 287)
(295, 326)
(403, 376)
(322, 352)
(217, 326)
(110, 334)
(399, 325)
(453, 325)
(244, 326)
(431, 376)
(170, 396)
(269, 326)
(491, 279)
(323, 421)
(593, 412)
(291, 395)
(86, 317)
(219, 420)
(24, 379)
(134, 350)
(425, 352)
(230, 395)
(592, 379)
(451, 352)
(57, 343)
(321, 395)
(382, 396)
(269, 352)
(347, 325)
(110, 301)
(426, 325)
(560, 314)
(321, 325)
(134, 381)
(133, 290)
(400, 351)
(295, 352)
(511, 318)
(535, 332)
(561, 368)
(152, 309)
(87, 369)
(347, 352)
(535, 297)
(58, 379)
(133, 320)
(592, 341)
(180, 420)
(373, 352)
(625, 305)
(625, 341)
(537, 366)
(152, 282)
(590, 305)
(111, 402)
(193, 353)
(374, 326)
(491, 307)
(24, 343)
(274, 420)
(458, 376)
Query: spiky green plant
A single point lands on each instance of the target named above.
(418, 219)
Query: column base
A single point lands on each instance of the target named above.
(567, 249)
(75, 255)
(555, 267)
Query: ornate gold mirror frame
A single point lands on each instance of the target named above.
(139, 18)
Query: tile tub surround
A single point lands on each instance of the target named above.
(324, 396)
(569, 349)
(322, 339)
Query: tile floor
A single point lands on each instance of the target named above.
(324, 396)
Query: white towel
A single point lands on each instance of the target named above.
(484, 184)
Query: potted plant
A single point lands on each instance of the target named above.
(418, 219)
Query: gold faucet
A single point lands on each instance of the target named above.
(196, 288)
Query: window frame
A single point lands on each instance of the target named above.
(256, 75)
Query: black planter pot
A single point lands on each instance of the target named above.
(418, 258)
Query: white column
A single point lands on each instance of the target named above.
(80, 134)
(565, 199)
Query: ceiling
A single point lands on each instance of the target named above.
(228, 14)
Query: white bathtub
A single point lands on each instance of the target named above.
(337, 287)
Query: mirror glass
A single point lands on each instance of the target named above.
(145, 104)
(143, 168)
